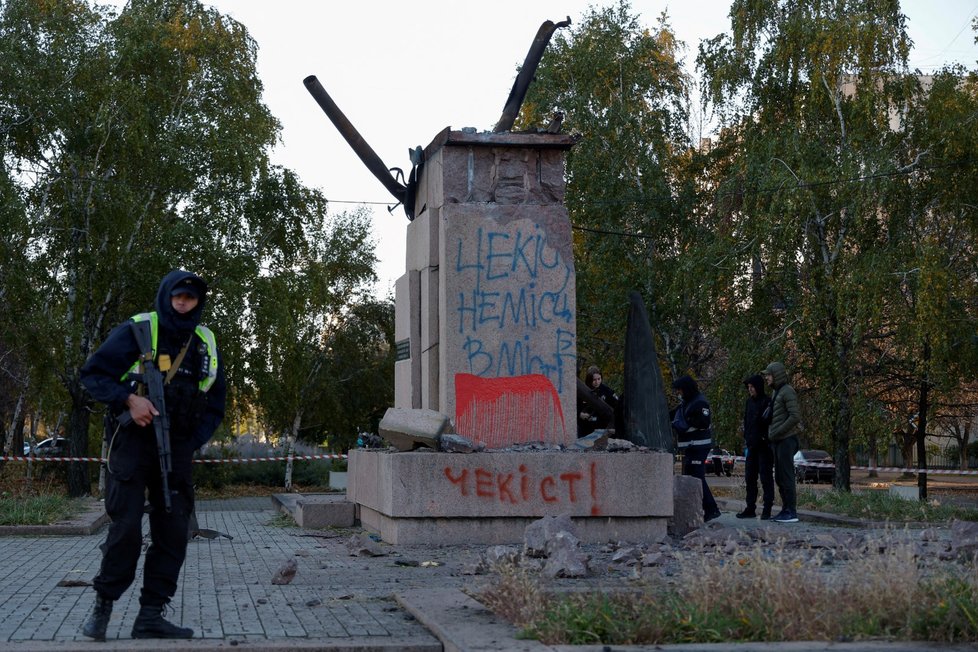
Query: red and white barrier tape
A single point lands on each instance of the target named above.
(336, 456)
(885, 469)
(233, 460)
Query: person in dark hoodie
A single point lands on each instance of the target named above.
(691, 421)
(760, 459)
(589, 419)
(186, 355)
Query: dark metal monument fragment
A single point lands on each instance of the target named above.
(646, 412)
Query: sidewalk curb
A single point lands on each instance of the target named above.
(89, 521)
(808, 516)
(465, 625)
(461, 623)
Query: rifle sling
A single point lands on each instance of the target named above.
(176, 363)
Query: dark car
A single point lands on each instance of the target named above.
(720, 462)
(814, 466)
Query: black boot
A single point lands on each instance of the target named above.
(747, 513)
(150, 624)
(98, 622)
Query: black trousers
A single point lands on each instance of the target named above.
(784, 470)
(694, 464)
(760, 464)
(124, 502)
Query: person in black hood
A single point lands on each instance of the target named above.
(760, 458)
(692, 423)
(588, 418)
(185, 353)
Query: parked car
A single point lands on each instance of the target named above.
(49, 446)
(720, 461)
(814, 466)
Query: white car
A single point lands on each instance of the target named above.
(49, 446)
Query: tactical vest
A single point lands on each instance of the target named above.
(202, 332)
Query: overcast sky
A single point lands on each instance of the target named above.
(403, 71)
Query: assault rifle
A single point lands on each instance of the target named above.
(152, 379)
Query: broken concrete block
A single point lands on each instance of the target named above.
(408, 429)
(687, 505)
(361, 545)
(540, 532)
(565, 558)
(597, 440)
(452, 443)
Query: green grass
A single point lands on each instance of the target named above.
(881, 506)
(37, 510)
(281, 519)
(870, 504)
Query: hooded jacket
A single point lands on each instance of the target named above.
(103, 374)
(785, 412)
(692, 419)
(755, 425)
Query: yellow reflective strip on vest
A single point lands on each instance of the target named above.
(207, 336)
(204, 333)
(153, 320)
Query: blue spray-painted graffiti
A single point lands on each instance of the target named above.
(516, 310)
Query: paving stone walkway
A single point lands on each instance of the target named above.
(225, 590)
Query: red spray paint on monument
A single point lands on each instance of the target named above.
(510, 410)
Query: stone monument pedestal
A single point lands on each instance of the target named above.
(427, 497)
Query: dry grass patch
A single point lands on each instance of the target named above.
(765, 593)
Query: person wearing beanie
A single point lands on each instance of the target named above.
(691, 422)
(760, 458)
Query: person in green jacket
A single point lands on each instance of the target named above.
(783, 435)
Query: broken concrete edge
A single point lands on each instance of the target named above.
(461, 622)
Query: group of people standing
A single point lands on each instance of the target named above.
(771, 425)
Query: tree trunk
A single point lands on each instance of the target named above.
(842, 419)
(907, 439)
(8, 442)
(873, 461)
(78, 418)
(840, 439)
(922, 406)
(963, 447)
(296, 423)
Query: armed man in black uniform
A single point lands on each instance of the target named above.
(169, 341)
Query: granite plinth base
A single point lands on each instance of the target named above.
(500, 531)
(490, 497)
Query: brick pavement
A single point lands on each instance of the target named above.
(225, 591)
